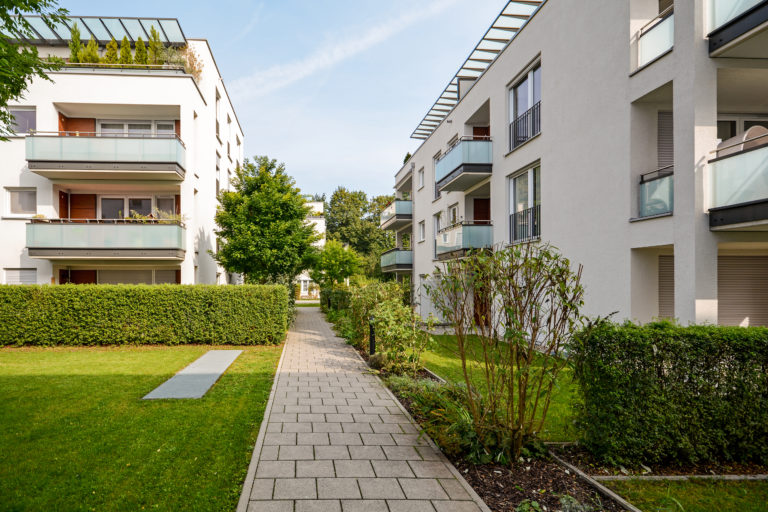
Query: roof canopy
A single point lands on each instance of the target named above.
(102, 29)
(509, 21)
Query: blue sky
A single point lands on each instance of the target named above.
(332, 88)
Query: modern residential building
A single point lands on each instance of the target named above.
(632, 135)
(100, 144)
(308, 289)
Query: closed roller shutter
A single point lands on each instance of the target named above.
(665, 141)
(20, 276)
(666, 287)
(742, 290)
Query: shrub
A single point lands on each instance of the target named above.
(400, 336)
(155, 48)
(125, 51)
(110, 55)
(666, 393)
(362, 301)
(75, 46)
(128, 314)
(335, 299)
(140, 57)
(89, 54)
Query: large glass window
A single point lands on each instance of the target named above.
(112, 208)
(141, 206)
(166, 205)
(137, 128)
(524, 108)
(525, 205)
(24, 119)
(22, 201)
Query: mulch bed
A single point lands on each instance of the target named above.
(583, 460)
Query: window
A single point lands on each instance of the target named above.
(434, 173)
(731, 125)
(20, 276)
(136, 128)
(525, 108)
(218, 105)
(166, 129)
(422, 231)
(22, 201)
(304, 286)
(525, 205)
(453, 214)
(420, 176)
(166, 205)
(123, 207)
(112, 208)
(24, 119)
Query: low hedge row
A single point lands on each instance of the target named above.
(662, 393)
(335, 298)
(128, 314)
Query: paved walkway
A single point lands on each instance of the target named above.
(335, 439)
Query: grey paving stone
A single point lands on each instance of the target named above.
(274, 427)
(349, 409)
(367, 418)
(455, 506)
(367, 452)
(295, 489)
(314, 438)
(364, 506)
(297, 408)
(331, 452)
(275, 469)
(297, 427)
(268, 453)
(430, 469)
(428, 453)
(422, 489)
(196, 379)
(380, 488)
(323, 409)
(454, 489)
(337, 488)
(375, 409)
(346, 439)
(353, 468)
(326, 427)
(318, 506)
(387, 428)
(339, 417)
(392, 469)
(314, 469)
(310, 401)
(378, 439)
(408, 428)
(262, 488)
(282, 418)
(394, 418)
(305, 452)
(410, 506)
(401, 453)
(311, 418)
(410, 439)
(270, 506)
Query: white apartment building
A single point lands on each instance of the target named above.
(631, 134)
(308, 289)
(99, 143)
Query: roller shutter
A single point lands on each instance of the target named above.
(742, 290)
(20, 276)
(666, 287)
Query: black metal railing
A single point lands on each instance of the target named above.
(525, 225)
(525, 127)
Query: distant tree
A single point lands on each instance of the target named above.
(334, 264)
(319, 197)
(407, 157)
(262, 226)
(75, 46)
(156, 50)
(110, 55)
(20, 63)
(141, 52)
(125, 51)
(89, 54)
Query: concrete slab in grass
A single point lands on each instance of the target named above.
(195, 380)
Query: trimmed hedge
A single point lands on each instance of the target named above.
(335, 299)
(662, 393)
(140, 314)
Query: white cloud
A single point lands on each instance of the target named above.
(276, 77)
(255, 18)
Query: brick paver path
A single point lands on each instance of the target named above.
(336, 440)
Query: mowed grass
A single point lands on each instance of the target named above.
(75, 434)
(442, 358)
(694, 495)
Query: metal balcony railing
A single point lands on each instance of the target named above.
(525, 225)
(525, 127)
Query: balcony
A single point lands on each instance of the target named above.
(397, 215)
(525, 127)
(656, 38)
(106, 239)
(739, 184)
(467, 163)
(454, 241)
(656, 195)
(525, 225)
(77, 155)
(397, 260)
(739, 29)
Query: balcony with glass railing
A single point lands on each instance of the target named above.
(81, 155)
(656, 192)
(107, 239)
(465, 164)
(656, 38)
(738, 177)
(738, 29)
(456, 240)
(397, 260)
(397, 215)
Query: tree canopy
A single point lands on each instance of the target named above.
(263, 232)
(21, 63)
(334, 264)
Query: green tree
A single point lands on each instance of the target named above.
(75, 46)
(141, 52)
(156, 50)
(334, 264)
(89, 54)
(125, 51)
(110, 56)
(263, 232)
(20, 63)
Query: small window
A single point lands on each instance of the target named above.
(422, 231)
(140, 128)
(453, 214)
(166, 205)
(22, 201)
(141, 206)
(20, 276)
(420, 175)
(24, 119)
(166, 130)
(112, 208)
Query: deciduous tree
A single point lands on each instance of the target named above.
(334, 264)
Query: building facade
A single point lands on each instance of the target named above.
(631, 135)
(113, 174)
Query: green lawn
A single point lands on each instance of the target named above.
(444, 361)
(308, 305)
(694, 495)
(75, 434)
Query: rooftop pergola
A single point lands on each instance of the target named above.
(104, 28)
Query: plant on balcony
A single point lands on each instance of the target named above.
(522, 305)
(110, 55)
(75, 46)
(155, 50)
(89, 54)
(140, 56)
(125, 51)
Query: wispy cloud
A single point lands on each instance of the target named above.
(255, 17)
(261, 82)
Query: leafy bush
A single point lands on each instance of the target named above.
(334, 299)
(400, 336)
(128, 314)
(362, 301)
(666, 393)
